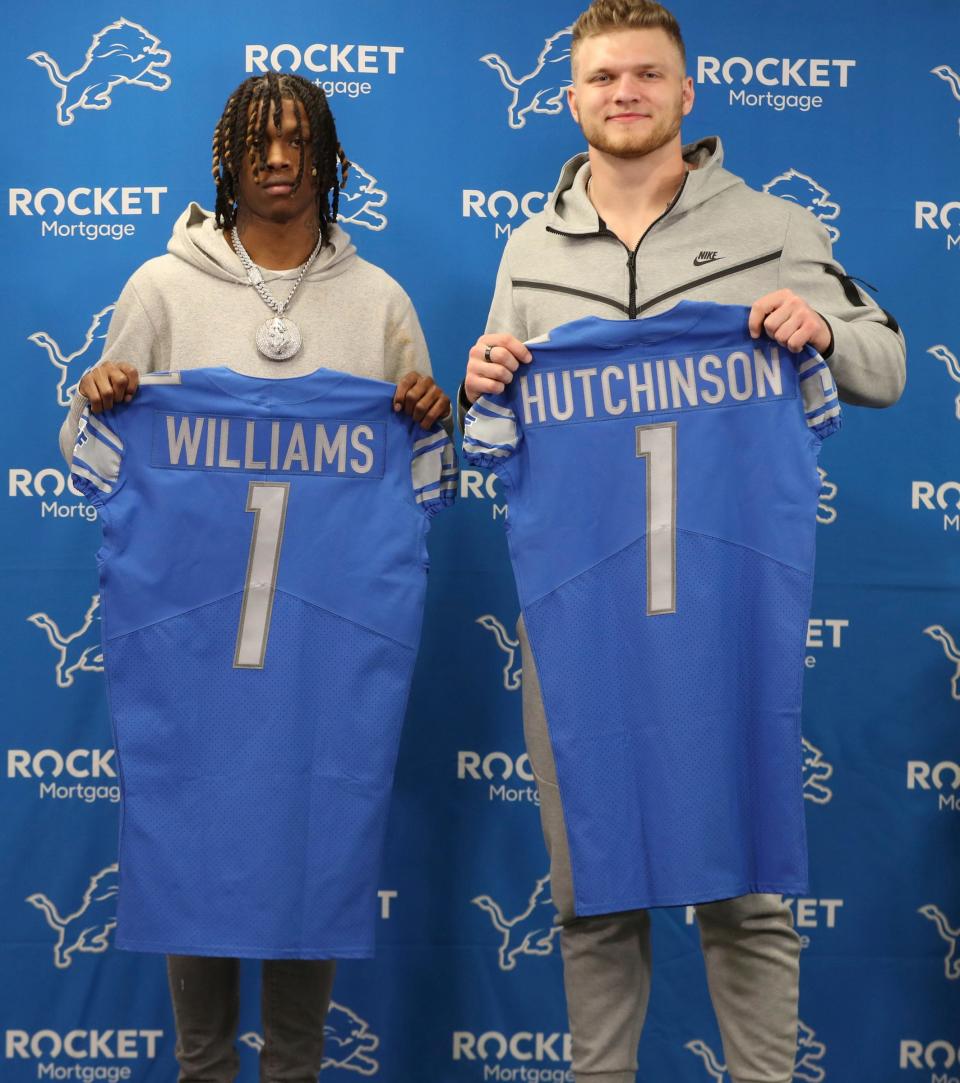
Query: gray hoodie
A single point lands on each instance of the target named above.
(195, 307)
(717, 241)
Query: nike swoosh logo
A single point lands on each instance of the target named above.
(698, 262)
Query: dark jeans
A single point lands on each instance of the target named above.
(295, 995)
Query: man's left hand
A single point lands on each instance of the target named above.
(422, 399)
(789, 320)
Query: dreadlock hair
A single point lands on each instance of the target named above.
(242, 132)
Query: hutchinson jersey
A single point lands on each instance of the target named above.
(662, 484)
(262, 580)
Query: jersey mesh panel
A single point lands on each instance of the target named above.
(322, 737)
(676, 766)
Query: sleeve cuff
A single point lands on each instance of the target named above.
(463, 406)
(828, 352)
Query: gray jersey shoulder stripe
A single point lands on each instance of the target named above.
(160, 378)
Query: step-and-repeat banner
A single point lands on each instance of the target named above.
(454, 115)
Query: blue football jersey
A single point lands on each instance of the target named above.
(262, 577)
(662, 484)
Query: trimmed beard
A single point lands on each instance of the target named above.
(635, 146)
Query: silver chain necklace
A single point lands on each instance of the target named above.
(277, 338)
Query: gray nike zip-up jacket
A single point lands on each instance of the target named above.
(717, 241)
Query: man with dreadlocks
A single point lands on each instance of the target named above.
(222, 292)
(276, 210)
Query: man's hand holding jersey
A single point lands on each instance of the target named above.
(108, 383)
(422, 399)
(491, 364)
(789, 320)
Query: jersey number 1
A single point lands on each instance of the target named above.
(268, 502)
(657, 444)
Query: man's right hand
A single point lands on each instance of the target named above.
(489, 371)
(109, 383)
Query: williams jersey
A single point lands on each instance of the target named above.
(662, 484)
(262, 576)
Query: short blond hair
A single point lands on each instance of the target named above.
(605, 16)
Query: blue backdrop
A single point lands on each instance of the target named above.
(453, 114)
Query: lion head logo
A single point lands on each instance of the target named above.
(952, 362)
(542, 90)
(96, 333)
(531, 932)
(807, 1067)
(122, 52)
(348, 1042)
(88, 928)
(826, 512)
(359, 207)
(816, 771)
(797, 187)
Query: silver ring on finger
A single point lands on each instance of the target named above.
(487, 350)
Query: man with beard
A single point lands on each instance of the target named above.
(636, 225)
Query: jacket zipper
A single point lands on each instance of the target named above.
(631, 308)
(632, 268)
(632, 257)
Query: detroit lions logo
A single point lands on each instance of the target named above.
(531, 932)
(510, 647)
(950, 649)
(816, 771)
(950, 77)
(797, 187)
(66, 385)
(949, 358)
(825, 512)
(348, 1042)
(88, 928)
(123, 52)
(362, 203)
(542, 90)
(951, 962)
(81, 651)
(807, 1067)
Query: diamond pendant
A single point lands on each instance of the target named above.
(278, 338)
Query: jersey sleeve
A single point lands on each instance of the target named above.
(434, 472)
(821, 404)
(95, 467)
(131, 338)
(491, 434)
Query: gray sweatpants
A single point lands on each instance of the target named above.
(750, 948)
